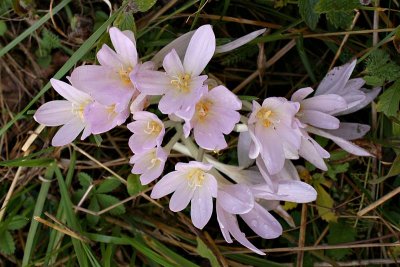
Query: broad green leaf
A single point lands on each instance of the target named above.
(340, 233)
(134, 186)
(289, 205)
(326, 6)
(144, 5)
(108, 185)
(340, 19)
(325, 204)
(205, 252)
(306, 9)
(389, 101)
(125, 21)
(380, 68)
(106, 201)
(93, 206)
(333, 170)
(7, 245)
(3, 27)
(84, 179)
(17, 222)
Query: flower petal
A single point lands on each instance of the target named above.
(238, 42)
(172, 64)
(324, 103)
(243, 149)
(107, 57)
(300, 94)
(68, 132)
(370, 95)
(319, 119)
(310, 153)
(236, 198)
(350, 131)
(167, 184)
(124, 47)
(151, 82)
(54, 113)
(200, 50)
(296, 191)
(69, 92)
(201, 207)
(181, 197)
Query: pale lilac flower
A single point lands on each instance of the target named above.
(274, 134)
(181, 85)
(215, 115)
(149, 164)
(148, 131)
(191, 182)
(103, 118)
(337, 82)
(69, 113)
(109, 83)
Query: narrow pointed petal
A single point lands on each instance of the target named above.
(152, 82)
(172, 64)
(200, 50)
(309, 153)
(238, 42)
(370, 95)
(336, 79)
(124, 47)
(324, 103)
(54, 113)
(107, 57)
(167, 185)
(236, 199)
(350, 131)
(69, 92)
(345, 145)
(296, 191)
(243, 149)
(68, 132)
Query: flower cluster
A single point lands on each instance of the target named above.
(202, 112)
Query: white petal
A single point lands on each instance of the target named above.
(200, 50)
(181, 197)
(201, 207)
(296, 191)
(107, 57)
(243, 149)
(172, 64)
(370, 95)
(324, 103)
(310, 153)
(238, 42)
(319, 119)
(69, 92)
(345, 145)
(54, 113)
(67, 133)
(300, 94)
(152, 82)
(167, 185)
(350, 131)
(124, 47)
(236, 199)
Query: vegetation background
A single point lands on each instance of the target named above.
(79, 205)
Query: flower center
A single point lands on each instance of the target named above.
(154, 161)
(111, 110)
(78, 109)
(196, 177)
(264, 115)
(181, 83)
(153, 128)
(124, 75)
(202, 109)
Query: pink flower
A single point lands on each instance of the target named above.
(69, 113)
(215, 114)
(337, 82)
(150, 164)
(181, 84)
(191, 182)
(148, 131)
(109, 83)
(273, 133)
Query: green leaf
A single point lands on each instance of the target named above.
(324, 204)
(389, 101)
(340, 233)
(125, 21)
(144, 5)
(107, 201)
(340, 19)
(333, 170)
(24, 162)
(380, 68)
(3, 27)
(306, 9)
(84, 179)
(17, 222)
(134, 186)
(108, 185)
(93, 206)
(205, 252)
(7, 245)
(326, 6)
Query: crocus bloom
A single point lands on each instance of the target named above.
(191, 182)
(274, 135)
(69, 113)
(215, 114)
(150, 164)
(109, 83)
(181, 84)
(148, 131)
(337, 82)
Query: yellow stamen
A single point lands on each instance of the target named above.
(124, 75)
(264, 115)
(153, 128)
(78, 109)
(202, 109)
(196, 177)
(182, 83)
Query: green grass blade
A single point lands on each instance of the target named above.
(37, 212)
(33, 28)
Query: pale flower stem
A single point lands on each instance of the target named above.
(175, 138)
(200, 154)
(170, 124)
